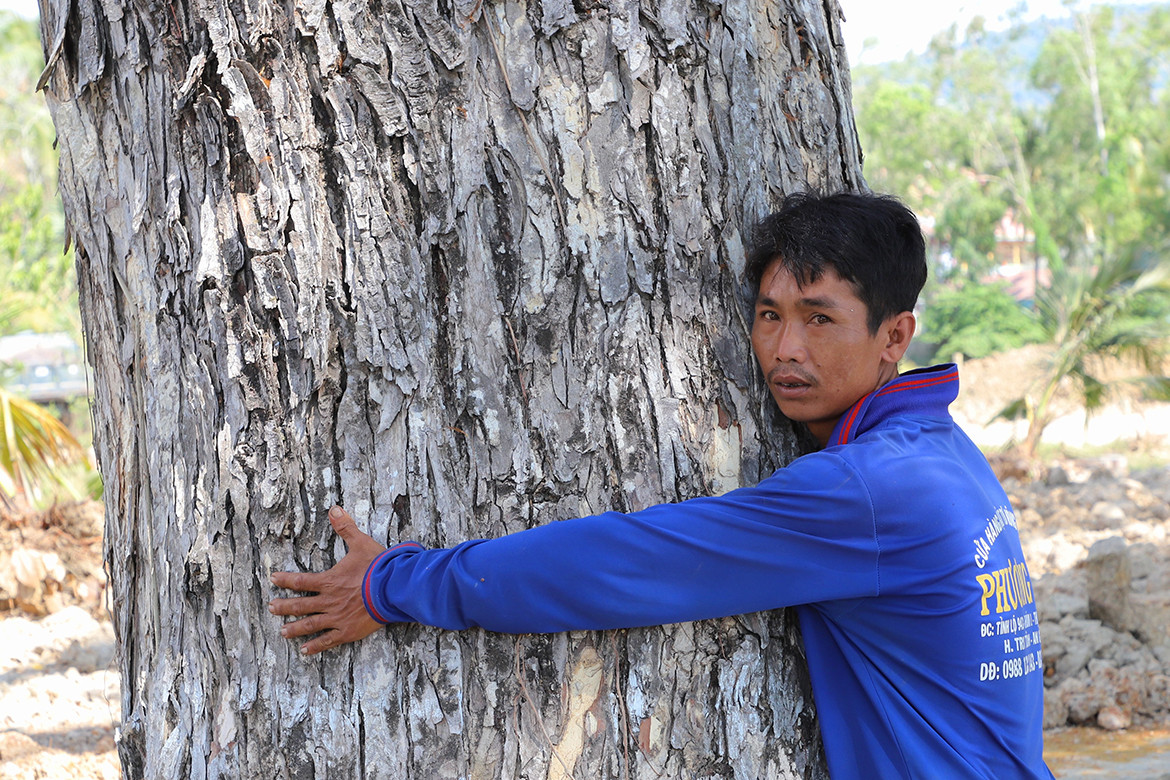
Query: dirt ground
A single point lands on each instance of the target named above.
(59, 687)
(1127, 422)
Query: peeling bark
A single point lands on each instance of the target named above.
(463, 267)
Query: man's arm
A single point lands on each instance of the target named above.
(804, 534)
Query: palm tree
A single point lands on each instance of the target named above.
(1089, 313)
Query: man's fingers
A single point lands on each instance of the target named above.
(323, 642)
(303, 605)
(336, 615)
(295, 580)
(303, 627)
(343, 524)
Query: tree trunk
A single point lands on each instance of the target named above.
(463, 268)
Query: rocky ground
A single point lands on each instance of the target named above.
(1096, 540)
(59, 688)
(60, 697)
(1095, 532)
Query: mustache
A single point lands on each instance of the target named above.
(790, 372)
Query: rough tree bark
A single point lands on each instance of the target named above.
(463, 267)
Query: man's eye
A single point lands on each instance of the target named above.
(821, 319)
(768, 315)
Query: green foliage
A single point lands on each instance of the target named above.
(37, 277)
(904, 161)
(38, 288)
(1099, 147)
(976, 321)
(967, 226)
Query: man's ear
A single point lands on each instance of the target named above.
(898, 330)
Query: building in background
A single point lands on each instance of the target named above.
(1017, 262)
(44, 367)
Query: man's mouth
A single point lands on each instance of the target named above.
(788, 379)
(789, 385)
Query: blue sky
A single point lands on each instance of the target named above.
(875, 30)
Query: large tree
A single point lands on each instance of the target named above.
(463, 268)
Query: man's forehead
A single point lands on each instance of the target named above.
(815, 287)
(801, 273)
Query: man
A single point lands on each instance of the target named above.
(894, 541)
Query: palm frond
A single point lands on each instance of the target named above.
(1015, 410)
(1155, 388)
(1093, 391)
(33, 445)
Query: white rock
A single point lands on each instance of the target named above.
(1113, 719)
(1107, 515)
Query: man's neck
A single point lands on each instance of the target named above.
(823, 431)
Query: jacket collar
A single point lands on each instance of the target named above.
(924, 391)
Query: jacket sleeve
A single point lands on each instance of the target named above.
(805, 534)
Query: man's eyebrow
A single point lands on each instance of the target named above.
(764, 300)
(807, 303)
(819, 303)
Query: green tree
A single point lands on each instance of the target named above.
(1099, 153)
(939, 130)
(36, 273)
(905, 159)
(1065, 124)
(966, 223)
(976, 321)
(1099, 172)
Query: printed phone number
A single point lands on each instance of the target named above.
(1010, 668)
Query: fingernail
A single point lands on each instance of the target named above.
(284, 632)
(272, 609)
(272, 578)
(335, 512)
(304, 651)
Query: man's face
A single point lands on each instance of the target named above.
(815, 348)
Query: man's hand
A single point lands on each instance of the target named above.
(337, 613)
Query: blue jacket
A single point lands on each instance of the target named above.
(895, 543)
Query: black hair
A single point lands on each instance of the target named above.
(872, 241)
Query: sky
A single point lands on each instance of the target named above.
(26, 8)
(876, 30)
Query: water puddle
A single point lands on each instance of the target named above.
(1095, 754)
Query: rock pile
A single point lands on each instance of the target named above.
(1097, 540)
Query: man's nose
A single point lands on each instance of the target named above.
(789, 345)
